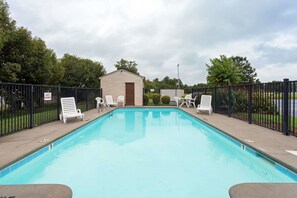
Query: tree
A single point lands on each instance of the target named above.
(166, 83)
(223, 71)
(248, 72)
(7, 25)
(8, 70)
(58, 73)
(81, 72)
(199, 85)
(38, 64)
(130, 66)
(149, 85)
(56, 69)
(23, 58)
(187, 88)
(28, 60)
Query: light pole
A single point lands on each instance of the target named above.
(178, 85)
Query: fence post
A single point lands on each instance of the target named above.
(215, 100)
(94, 101)
(250, 103)
(58, 102)
(87, 101)
(75, 94)
(31, 106)
(229, 101)
(286, 108)
(143, 92)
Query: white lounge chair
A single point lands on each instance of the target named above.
(109, 101)
(121, 99)
(205, 104)
(69, 109)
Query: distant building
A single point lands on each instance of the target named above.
(125, 83)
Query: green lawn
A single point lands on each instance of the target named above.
(275, 120)
(19, 120)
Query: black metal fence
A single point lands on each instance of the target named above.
(25, 106)
(271, 105)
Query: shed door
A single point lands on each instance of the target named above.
(130, 94)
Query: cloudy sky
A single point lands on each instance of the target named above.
(159, 34)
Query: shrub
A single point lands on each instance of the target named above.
(156, 98)
(239, 102)
(183, 96)
(263, 104)
(165, 99)
(145, 99)
(150, 95)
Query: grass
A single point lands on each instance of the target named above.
(275, 120)
(20, 119)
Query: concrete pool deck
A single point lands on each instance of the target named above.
(271, 143)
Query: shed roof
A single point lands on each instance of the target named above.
(121, 70)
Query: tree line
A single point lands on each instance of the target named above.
(222, 71)
(27, 59)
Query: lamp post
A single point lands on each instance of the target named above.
(178, 85)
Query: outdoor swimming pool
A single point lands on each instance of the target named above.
(140, 152)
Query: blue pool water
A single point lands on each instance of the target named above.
(150, 153)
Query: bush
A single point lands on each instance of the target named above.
(239, 102)
(145, 99)
(263, 104)
(165, 99)
(150, 95)
(156, 98)
(183, 96)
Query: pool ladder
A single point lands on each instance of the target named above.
(108, 109)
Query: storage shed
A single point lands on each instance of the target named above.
(125, 83)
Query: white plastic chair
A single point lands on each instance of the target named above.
(192, 101)
(69, 109)
(121, 99)
(100, 103)
(176, 99)
(205, 104)
(109, 101)
(185, 100)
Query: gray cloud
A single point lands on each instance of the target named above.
(158, 34)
